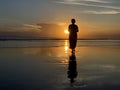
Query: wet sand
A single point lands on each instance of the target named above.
(46, 68)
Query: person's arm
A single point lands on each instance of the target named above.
(77, 30)
(69, 28)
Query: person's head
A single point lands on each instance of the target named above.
(73, 21)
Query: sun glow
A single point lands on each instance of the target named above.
(66, 31)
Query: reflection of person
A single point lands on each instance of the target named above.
(72, 68)
(73, 29)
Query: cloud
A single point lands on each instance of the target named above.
(21, 31)
(102, 12)
(32, 27)
(86, 3)
(98, 1)
(21, 28)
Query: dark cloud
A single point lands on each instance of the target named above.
(33, 31)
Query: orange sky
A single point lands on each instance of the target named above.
(57, 31)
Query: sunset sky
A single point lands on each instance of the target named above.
(49, 18)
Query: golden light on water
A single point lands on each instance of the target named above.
(66, 47)
(66, 31)
(64, 61)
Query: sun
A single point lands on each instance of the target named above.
(66, 31)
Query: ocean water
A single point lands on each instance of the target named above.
(56, 43)
(50, 65)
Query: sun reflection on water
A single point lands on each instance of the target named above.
(66, 47)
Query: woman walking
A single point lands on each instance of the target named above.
(73, 29)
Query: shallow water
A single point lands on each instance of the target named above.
(43, 65)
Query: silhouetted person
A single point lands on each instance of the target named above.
(73, 29)
(72, 68)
